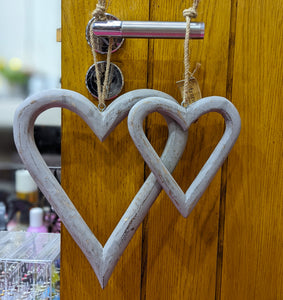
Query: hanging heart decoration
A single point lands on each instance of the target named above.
(185, 202)
(102, 259)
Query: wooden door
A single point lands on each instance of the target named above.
(230, 247)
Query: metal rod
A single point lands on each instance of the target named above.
(147, 29)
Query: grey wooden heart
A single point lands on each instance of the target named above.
(102, 259)
(185, 202)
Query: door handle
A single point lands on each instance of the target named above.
(119, 30)
(113, 27)
(147, 29)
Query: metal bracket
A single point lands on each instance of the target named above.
(102, 43)
(115, 81)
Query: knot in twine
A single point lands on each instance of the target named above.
(190, 12)
(99, 12)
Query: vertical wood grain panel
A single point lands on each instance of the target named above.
(224, 169)
(99, 177)
(253, 241)
(182, 253)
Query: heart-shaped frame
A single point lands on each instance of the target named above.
(102, 259)
(185, 202)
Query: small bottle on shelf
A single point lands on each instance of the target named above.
(36, 220)
(26, 188)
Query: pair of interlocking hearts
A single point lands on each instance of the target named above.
(137, 105)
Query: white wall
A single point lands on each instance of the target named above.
(28, 31)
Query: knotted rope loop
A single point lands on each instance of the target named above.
(190, 12)
(99, 12)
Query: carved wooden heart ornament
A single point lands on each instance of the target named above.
(185, 202)
(102, 259)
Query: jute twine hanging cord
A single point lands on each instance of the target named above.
(99, 15)
(188, 14)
